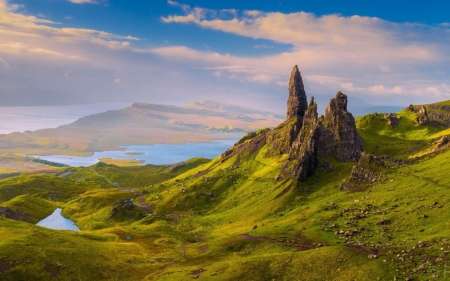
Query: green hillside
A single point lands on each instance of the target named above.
(238, 217)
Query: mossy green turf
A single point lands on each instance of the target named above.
(231, 220)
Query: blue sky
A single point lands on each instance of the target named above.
(59, 52)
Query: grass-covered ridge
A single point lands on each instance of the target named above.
(232, 218)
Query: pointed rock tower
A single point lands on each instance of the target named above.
(305, 147)
(297, 103)
(334, 135)
(338, 136)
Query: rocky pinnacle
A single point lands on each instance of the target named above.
(339, 137)
(297, 103)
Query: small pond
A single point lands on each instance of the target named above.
(57, 221)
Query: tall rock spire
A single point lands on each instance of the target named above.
(297, 103)
(305, 148)
(339, 137)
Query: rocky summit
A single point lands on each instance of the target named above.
(333, 135)
(304, 136)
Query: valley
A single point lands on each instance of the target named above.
(316, 198)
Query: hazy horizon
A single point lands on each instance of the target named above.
(62, 53)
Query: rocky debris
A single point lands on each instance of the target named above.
(305, 147)
(338, 135)
(14, 215)
(443, 141)
(392, 119)
(297, 103)
(422, 116)
(369, 170)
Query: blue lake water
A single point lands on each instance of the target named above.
(157, 154)
(57, 221)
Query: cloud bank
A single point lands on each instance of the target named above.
(375, 60)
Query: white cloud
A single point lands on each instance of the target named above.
(331, 49)
(363, 56)
(376, 89)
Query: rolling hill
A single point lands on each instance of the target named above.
(316, 198)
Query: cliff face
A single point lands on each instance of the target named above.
(339, 137)
(305, 147)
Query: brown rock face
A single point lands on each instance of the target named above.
(305, 147)
(422, 116)
(338, 136)
(297, 103)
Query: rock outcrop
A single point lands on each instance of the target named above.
(304, 136)
(369, 170)
(305, 147)
(392, 119)
(282, 137)
(422, 116)
(338, 136)
(14, 215)
(333, 135)
(297, 103)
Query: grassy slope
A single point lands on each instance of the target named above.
(399, 141)
(191, 233)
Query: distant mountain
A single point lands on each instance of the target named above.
(141, 123)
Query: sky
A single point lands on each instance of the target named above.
(66, 52)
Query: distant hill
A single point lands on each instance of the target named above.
(141, 123)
